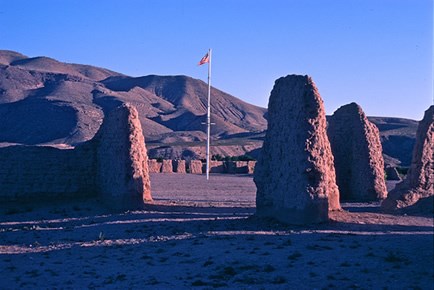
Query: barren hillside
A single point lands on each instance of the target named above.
(45, 101)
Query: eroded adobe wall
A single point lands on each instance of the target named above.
(113, 165)
(38, 173)
(357, 151)
(122, 162)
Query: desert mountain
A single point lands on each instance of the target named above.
(398, 136)
(45, 101)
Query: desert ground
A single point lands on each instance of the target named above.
(203, 235)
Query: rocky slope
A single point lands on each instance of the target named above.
(398, 136)
(44, 101)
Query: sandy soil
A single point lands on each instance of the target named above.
(202, 235)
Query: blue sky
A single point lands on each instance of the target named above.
(377, 53)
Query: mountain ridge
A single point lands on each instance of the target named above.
(166, 103)
(47, 102)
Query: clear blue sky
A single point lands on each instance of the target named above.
(377, 53)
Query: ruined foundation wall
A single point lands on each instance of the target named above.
(33, 173)
(113, 165)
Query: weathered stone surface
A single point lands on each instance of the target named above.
(419, 183)
(154, 166)
(295, 176)
(113, 165)
(167, 166)
(195, 166)
(251, 167)
(179, 166)
(122, 161)
(36, 173)
(357, 152)
(392, 173)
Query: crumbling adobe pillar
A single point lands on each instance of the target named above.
(122, 161)
(295, 176)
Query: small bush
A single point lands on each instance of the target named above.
(279, 280)
(394, 258)
(294, 256)
(269, 269)
(229, 271)
(198, 283)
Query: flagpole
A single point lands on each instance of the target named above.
(208, 116)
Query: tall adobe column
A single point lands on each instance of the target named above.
(295, 176)
(357, 150)
(122, 161)
(416, 191)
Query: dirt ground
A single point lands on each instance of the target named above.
(203, 235)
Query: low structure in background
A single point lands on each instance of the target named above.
(167, 166)
(357, 151)
(154, 166)
(179, 166)
(195, 167)
(416, 192)
(295, 175)
(198, 167)
(113, 165)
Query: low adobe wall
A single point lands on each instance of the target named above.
(30, 172)
(113, 165)
(199, 167)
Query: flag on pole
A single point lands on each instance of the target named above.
(204, 59)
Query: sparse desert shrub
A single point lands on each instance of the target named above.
(279, 280)
(370, 254)
(294, 256)
(198, 283)
(229, 271)
(394, 258)
(345, 264)
(160, 251)
(121, 277)
(318, 247)
(269, 268)
(76, 208)
(208, 262)
(288, 242)
(12, 211)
